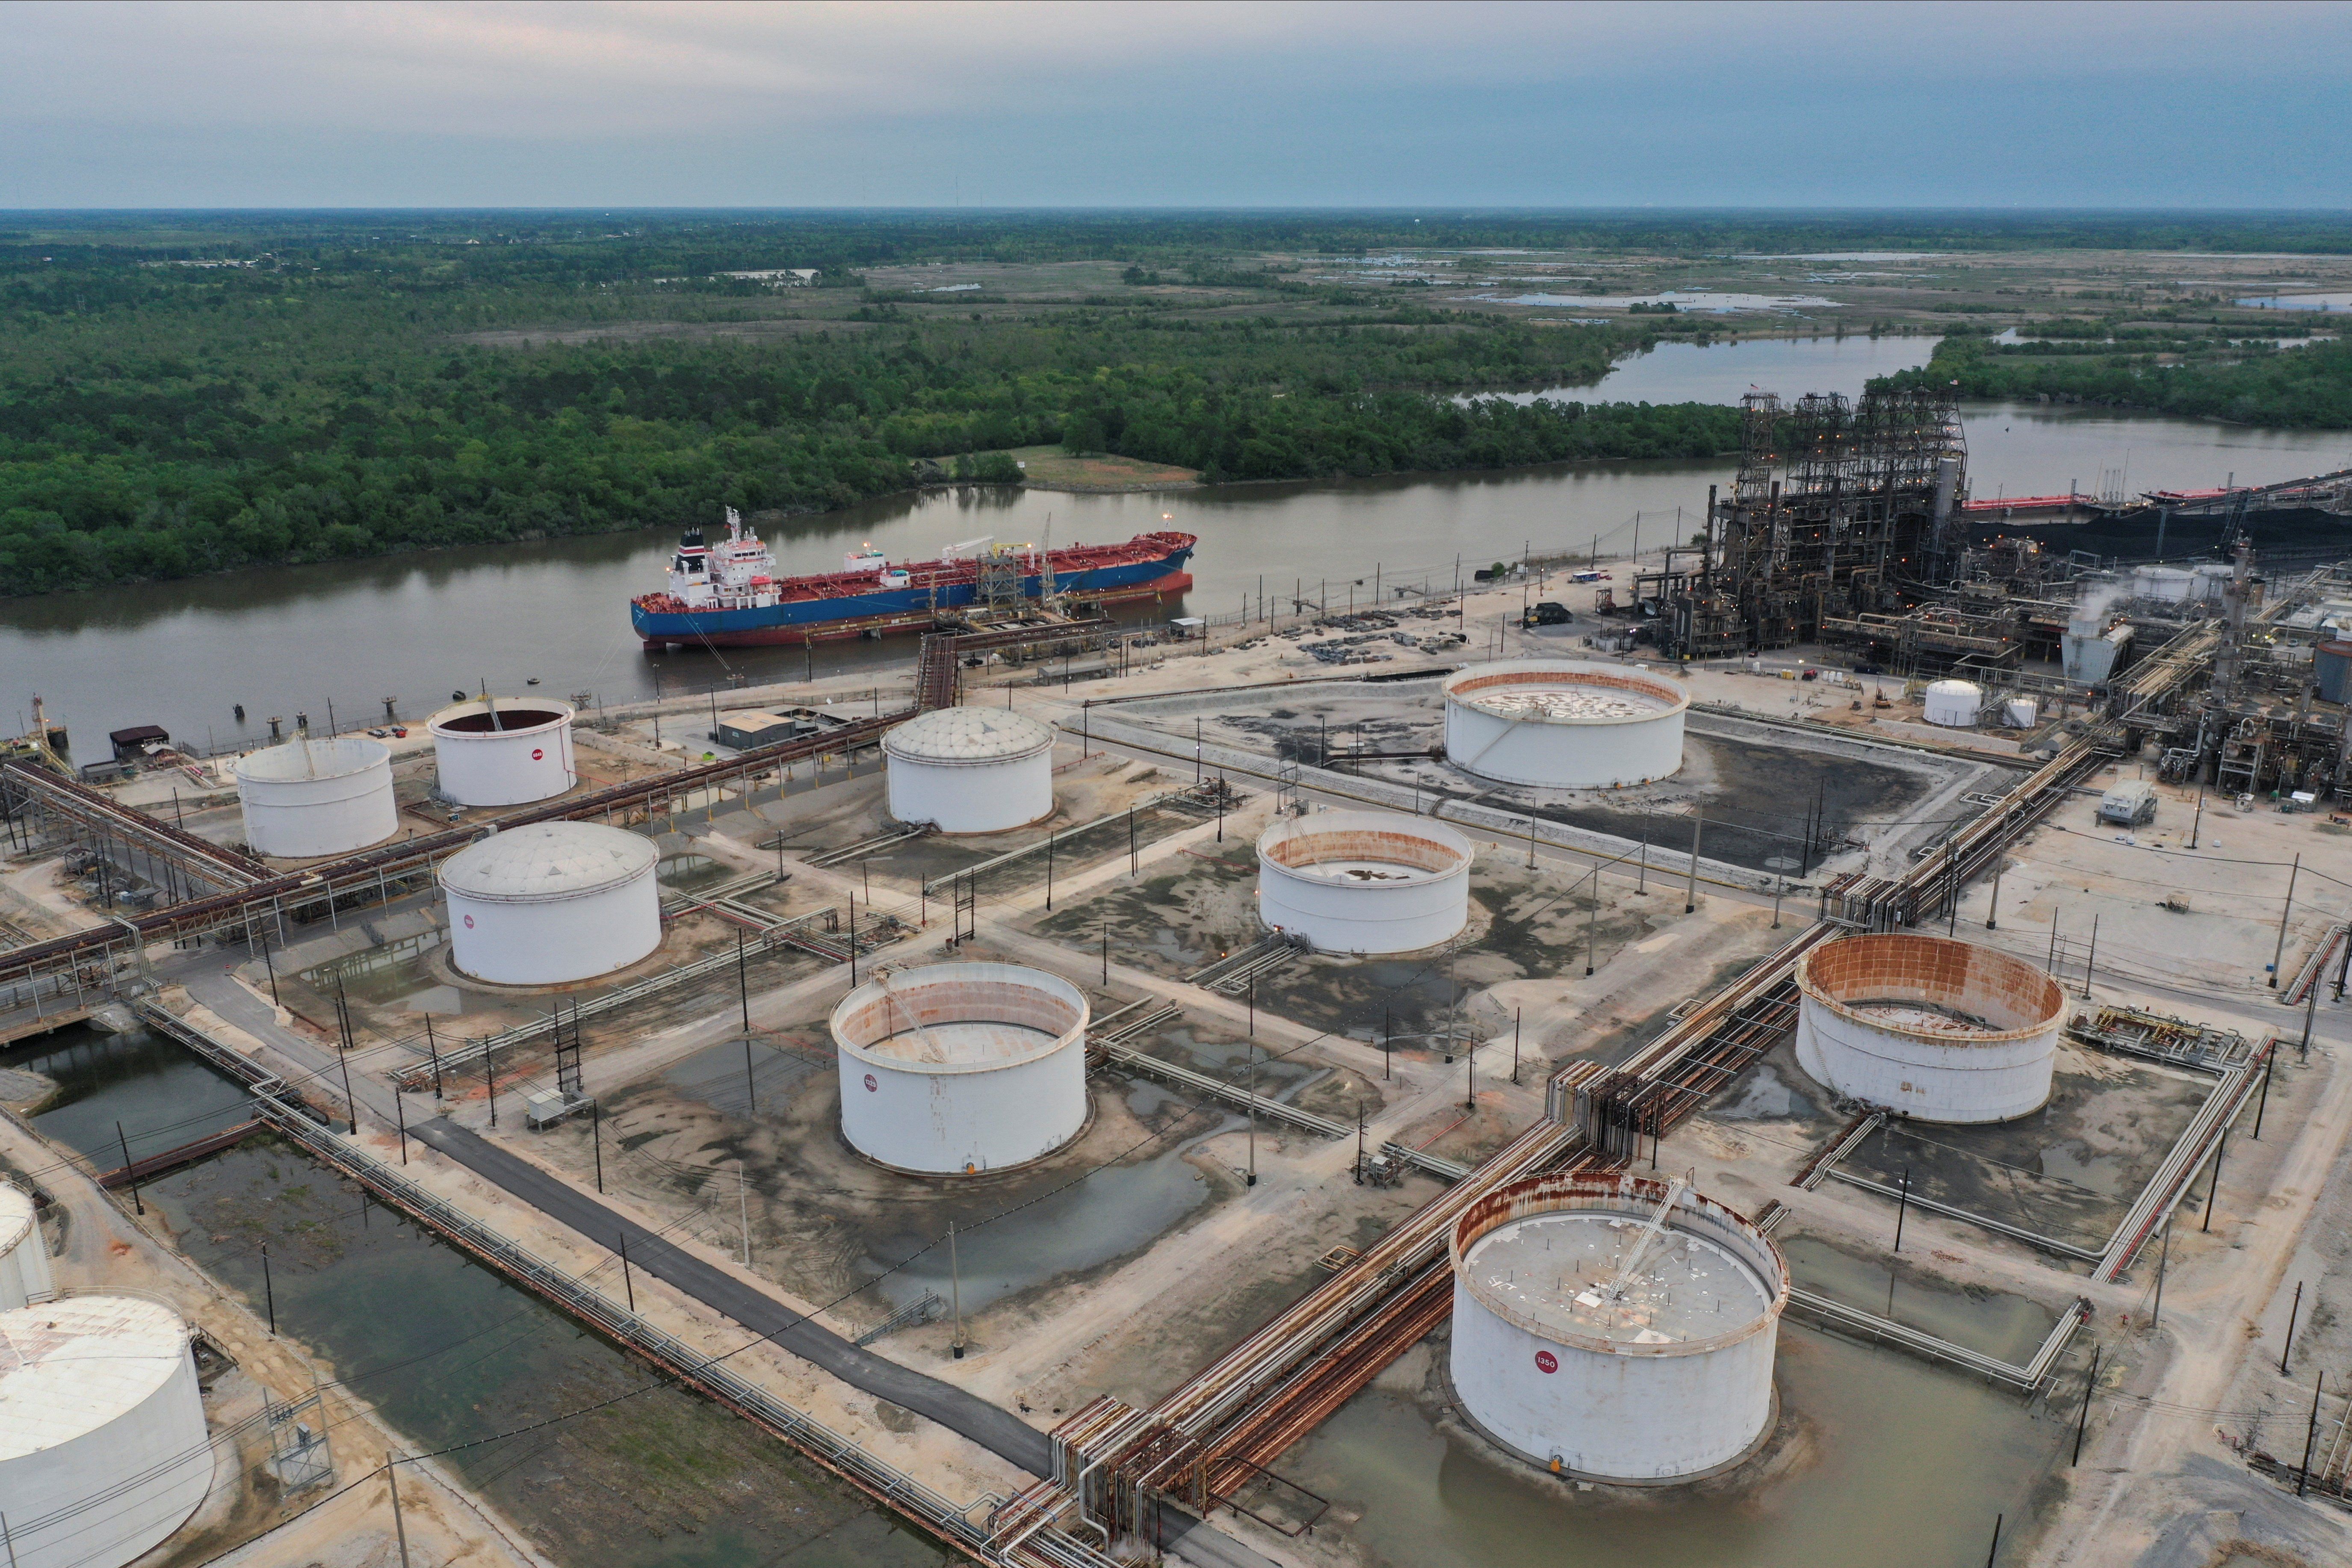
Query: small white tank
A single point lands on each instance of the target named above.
(103, 1450)
(1933, 1028)
(971, 769)
(1615, 1327)
(24, 1276)
(1363, 882)
(961, 1068)
(1954, 703)
(502, 752)
(1564, 724)
(311, 798)
(552, 902)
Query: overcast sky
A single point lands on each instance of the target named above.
(290, 104)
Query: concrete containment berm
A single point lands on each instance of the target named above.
(961, 1068)
(1363, 882)
(1615, 1328)
(1564, 724)
(1929, 1027)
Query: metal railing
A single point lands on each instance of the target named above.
(2026, 1378)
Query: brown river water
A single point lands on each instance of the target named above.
(419, 625)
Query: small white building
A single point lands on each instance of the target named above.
(971, 769)
(24, 1275)
(103, 1449)
(552, 902)
(1927, 1026)
(1615, 1327)
(961, 1068)
(1363, 882)
(1564, 724)
(503, 752)
(311, 798)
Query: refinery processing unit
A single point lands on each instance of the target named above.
(1843, 1027)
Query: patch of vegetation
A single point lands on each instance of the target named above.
(2166, 369)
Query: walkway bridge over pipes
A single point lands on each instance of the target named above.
(1115, 1464)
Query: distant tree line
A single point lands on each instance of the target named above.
(166, 421)
(2207, 375)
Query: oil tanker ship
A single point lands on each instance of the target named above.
(728, 595)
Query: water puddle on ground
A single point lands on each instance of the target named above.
(151, 1087)
(451, 1355)
(2011, 1328)
(1087, 1219)
(735, 1078)
(1892, 1462)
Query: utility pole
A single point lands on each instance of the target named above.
(2083, 1421)
(399, 1529)
(129, 1171)
(955, 1291)
(2278, 953)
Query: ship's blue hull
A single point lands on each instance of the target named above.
(794, 620)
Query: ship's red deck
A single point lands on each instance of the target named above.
(1068, 561)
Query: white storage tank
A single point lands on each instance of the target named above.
(494, 752)
(1363, 882)
(1615, 1327)
(24, 1276)
(1564, 724)
(971, 769)
(1929, 1027)
(1953, 703)
(552, 902)
(960, 1068)
(312, 797)
(103, 1451)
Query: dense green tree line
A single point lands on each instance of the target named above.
(2207, 377)
(164, 421)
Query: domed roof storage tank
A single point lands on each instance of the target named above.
(958, 1068)
(311, 798)
(1564, 724)
(1622, 1327)
(1952, 703)
(550, 902)
(24, 1275)
(98, 1401)
(494, 752)
(1363, 882)
(971, 769)
(1942, 1030)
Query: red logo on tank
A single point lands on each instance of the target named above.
(537, 756)
(469, 922)
(870, 1085)
(1547, 1361)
